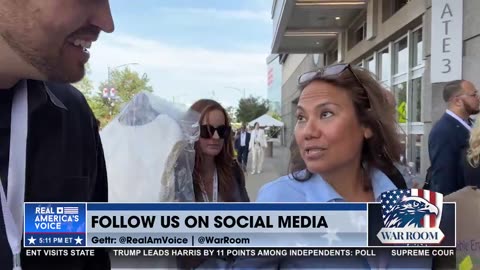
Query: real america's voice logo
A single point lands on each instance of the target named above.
(411, 216)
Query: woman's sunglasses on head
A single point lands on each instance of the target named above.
(207, 131)
(331, 72)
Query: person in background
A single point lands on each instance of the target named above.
(217, 177)
(242, 141)
(343, 149)
(257, 145)
(43, 48)
(470, 161)
(450, 135)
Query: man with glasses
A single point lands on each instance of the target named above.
(450, 135)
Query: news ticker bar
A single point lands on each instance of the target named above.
(181, 225)
(254, 252)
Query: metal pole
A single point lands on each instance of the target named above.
(241, 91)
(109, 87)
(108, 80)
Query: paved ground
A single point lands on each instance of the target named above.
(273, 167)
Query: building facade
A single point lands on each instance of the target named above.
(274, 83)
(391, 38)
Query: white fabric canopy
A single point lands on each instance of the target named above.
(266, 121)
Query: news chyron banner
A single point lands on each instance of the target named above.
(403, 218)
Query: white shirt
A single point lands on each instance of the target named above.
(465, 124)
(243, 138)
(257, 139)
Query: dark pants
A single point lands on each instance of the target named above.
(242, 156)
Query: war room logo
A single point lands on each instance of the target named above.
(411, 216)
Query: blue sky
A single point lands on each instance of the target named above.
(190, 49)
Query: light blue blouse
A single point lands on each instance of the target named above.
(316, 189)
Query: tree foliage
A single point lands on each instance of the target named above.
(127, 84)
(275, 115)
(232, 113)
(273, 132)
(251, 108)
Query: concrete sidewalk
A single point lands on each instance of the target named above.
(273, 168)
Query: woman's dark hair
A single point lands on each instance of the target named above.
(224, 160)
(373, 110)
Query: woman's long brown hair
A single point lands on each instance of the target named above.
(224, 160)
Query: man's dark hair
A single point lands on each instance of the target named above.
(451, 89)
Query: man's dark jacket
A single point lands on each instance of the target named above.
(238, 141)
(65, 163)
(445, 143)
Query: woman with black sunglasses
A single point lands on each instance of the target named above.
(217, 177)
(344, 149)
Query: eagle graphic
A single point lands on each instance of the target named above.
(409, 212)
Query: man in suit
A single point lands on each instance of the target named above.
(450, 135)
(44, 47)
(257, 146)
(241, 144)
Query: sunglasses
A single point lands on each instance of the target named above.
(331, 72)
(207, 131)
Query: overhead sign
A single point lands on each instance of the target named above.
(447, 40)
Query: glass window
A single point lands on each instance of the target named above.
(390, 7)
(401, 56)
(416, 98)
(359, 34)
(384, 65)
(417, 49)
(332, 57)
(398, 4)
(415, 146)
(418, 151)
(400, 91)
(403, 143)
(371, 65)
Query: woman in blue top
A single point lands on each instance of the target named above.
(345, 146)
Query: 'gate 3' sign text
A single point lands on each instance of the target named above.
(447, 40)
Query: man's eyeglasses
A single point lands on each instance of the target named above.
(469, 95)
(331, 72)
(207, 131)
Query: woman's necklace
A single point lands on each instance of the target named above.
(214, 188)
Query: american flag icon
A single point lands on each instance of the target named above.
(417, 208)
(70, 210)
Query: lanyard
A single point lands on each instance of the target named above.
(12, 208)
(214, 189)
